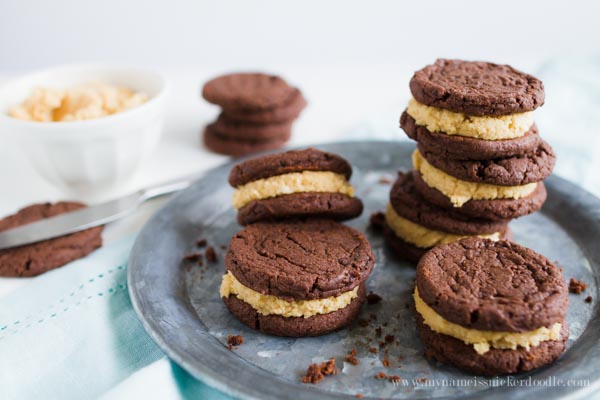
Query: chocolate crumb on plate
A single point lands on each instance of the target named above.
(234, 341)
(210, 254)
(373, 298)
(201, 242)
(576, 286)
(380, 375)
(588, 299)
(394, 378)
(192, 257)
(376, 221)
(351, 358)
(316, 372)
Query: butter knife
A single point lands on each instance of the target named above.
(89, 217)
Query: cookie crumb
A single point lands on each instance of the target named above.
(363, 322)
(373, 350)
(200, 262)
(380, 375)
(378, 331)
(210, 254)
(394, 378)
(316, 372)
(201, 242)
(588, 299)
(351, 358)
(192, 257)
(376, 221)
(576, 286)
(359, 396)
(385, 361)
(223, 246)
(422, 380)
(389, 338)
(234, 341)
(373, 298)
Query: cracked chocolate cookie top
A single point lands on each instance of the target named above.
(310, 159)
(300, 260)
(477, 88)
(497, 286)
(248, 91)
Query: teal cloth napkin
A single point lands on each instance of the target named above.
(72, 333)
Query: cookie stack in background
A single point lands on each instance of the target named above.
(294, 270)
(258, 111)
(480, 161)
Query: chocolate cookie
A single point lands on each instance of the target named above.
(218, 143)
(495, 286)
(37, 258)
(468, 148)
(511, 171)
(448, 350)
(497, 209)
(248, 91)
(287, 111)
(476, 88)
(300, 260)
(310, 159)
(248, 131)
(315, 325)
(336, 206)
(296, 262)
(484, 286)
(409, 204)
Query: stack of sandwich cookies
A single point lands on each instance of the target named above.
(479, 151)
(413, 225)
(294, 184)
(300, 278)
(258, 113)
(490, 307)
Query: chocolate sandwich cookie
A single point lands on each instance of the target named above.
(236, 147)
(300, 278)
(286, 112)
(469, 148)
(249, 131)
(298, 183)
(493, 209)
(37, 258)
(476, 88)
(413, 225)
(489, 307)
(516, 170)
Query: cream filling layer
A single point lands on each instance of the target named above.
(295, 182)
(267, 304)
(486, 128)
(459, 192)
(482, 341)
(421, 236)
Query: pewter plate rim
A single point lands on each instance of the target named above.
(575, 209)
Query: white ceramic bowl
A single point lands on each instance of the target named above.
(87, 157)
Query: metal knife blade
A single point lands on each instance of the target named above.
(89, 217)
